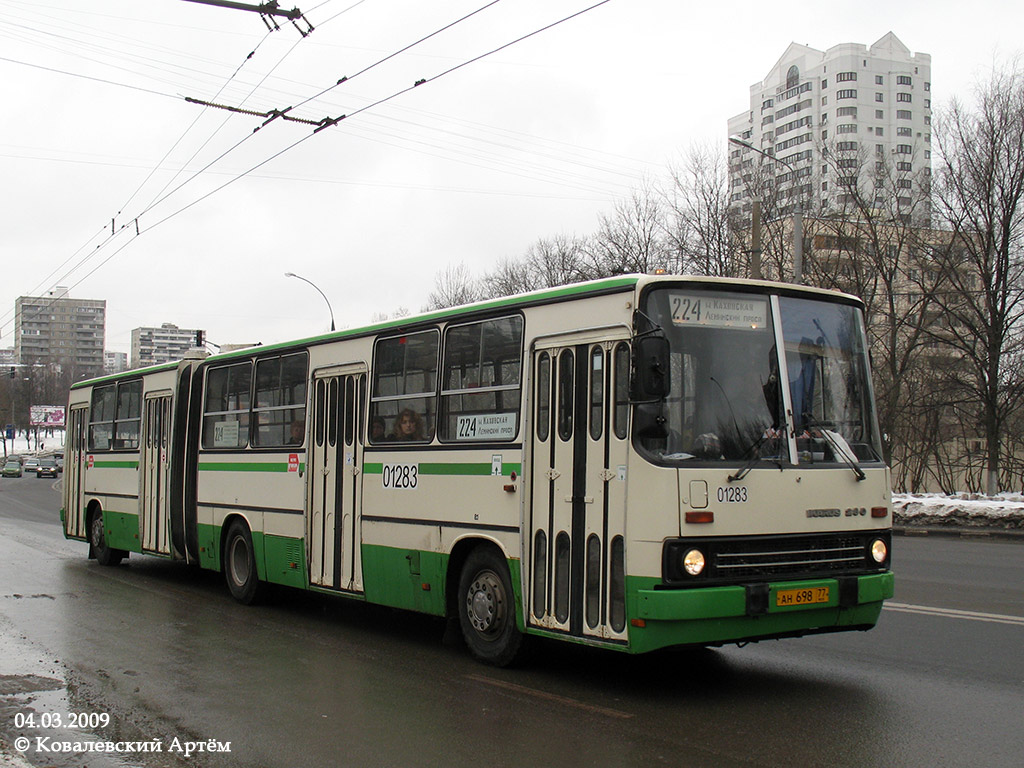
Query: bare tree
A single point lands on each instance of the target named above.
(453, 286)
(702, 229)
(631, 238)
(979, 192)
(549, 262)
(868, 240)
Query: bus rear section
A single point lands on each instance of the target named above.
(122, 480)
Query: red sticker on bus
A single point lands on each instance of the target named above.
(293, 462)
(89, 461)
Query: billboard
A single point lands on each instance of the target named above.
(46, 415)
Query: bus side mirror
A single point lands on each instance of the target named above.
(653, 380)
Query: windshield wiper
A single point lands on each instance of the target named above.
(745, 469)
(840, 447)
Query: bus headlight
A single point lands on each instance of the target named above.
(879, 551)
(693, 562)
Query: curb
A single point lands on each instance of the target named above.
(960, 532)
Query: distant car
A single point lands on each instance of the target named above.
(46, 468)
(30, 464)
(59, 458)
(12, 468)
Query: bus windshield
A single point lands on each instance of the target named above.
(726, 402)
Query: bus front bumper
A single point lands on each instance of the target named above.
(740, 613)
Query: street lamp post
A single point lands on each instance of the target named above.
(300, 277)
(798, 224)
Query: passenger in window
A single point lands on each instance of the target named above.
(408, 426)
(297, 433)
(377, 430)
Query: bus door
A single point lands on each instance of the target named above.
(335, 487)
(154, 474)
(577, 497)
(74, 473)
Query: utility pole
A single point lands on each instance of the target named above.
(755, 226)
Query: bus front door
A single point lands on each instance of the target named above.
(154, 474)
(335, 486)
(74, 473)
(576, 555)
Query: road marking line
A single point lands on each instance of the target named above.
(553, 697)
(952, 613)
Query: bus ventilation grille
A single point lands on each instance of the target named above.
(748, 558)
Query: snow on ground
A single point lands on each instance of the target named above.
(1005, 510)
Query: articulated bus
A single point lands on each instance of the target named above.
(635, 463)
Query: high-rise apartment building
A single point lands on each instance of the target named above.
(56, 329)
(825, 115)
(115, 362)
(166, 344)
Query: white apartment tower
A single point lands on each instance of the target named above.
(166, 344)
(820, 112)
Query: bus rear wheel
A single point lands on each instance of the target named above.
(487, 608)
(240, 565)
(98, 539)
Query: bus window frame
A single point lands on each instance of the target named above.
(134, 416)
(443, 412)
(429, 416)
(247, 410)
(255, 410)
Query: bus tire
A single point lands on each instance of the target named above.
(240, 565)
(98, 540)
(486, 605)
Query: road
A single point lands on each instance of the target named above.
(163, 651)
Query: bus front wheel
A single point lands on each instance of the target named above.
(104, 554)
(487, 608)
(240, 564)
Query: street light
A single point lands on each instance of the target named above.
(300, 277)
(755, 227)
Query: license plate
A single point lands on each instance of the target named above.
(805, 596)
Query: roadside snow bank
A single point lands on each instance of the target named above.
(1005, 510)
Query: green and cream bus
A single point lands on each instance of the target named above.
(635, 463)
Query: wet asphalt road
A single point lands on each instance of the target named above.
(309, 681)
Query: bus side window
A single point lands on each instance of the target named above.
(596, 393)
(480, 380)
(405, 384)
(543, 396)
(226, 406)
(101, 417)
(280, 402)
(621, 389)
(566, 366)
(129, 414)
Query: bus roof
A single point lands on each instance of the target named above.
(541, 296)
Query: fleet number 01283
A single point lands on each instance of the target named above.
(732, 494)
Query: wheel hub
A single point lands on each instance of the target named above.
(485, 601)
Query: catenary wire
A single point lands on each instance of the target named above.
(330, 123)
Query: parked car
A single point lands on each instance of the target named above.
(46, 468)
(12, 468)
(30, 464)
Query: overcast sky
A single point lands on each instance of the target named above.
(474, 166)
